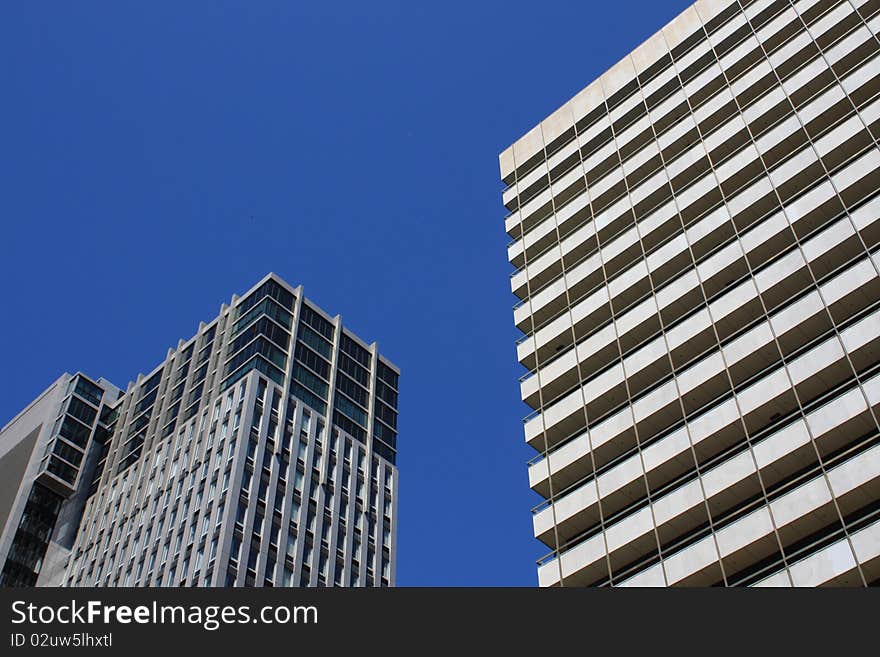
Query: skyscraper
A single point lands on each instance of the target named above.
(697, 247)
(48, 454)
(261, 452)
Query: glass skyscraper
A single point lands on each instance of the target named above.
(261, 452)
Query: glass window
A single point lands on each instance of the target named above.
(81, 411)
(313, 319)
(88, 391)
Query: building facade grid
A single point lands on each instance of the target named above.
(261, 452)
(693, 234)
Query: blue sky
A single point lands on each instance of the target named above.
(159, 156)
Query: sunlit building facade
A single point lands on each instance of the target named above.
(261, 452)
(696, 248)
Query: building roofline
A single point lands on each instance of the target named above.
(297, 291)
(35, 401)
(637, 59)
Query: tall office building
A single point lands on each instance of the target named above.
(48, 454)
(697, 247)
(261, 452)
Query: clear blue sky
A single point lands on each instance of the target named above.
(156, 157)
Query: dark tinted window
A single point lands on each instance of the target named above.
(317, 322)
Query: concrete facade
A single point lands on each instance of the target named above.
(261, 452)
(47, 461)
(696, 244)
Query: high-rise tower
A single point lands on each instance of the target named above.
(697, 247)
(262, 451)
